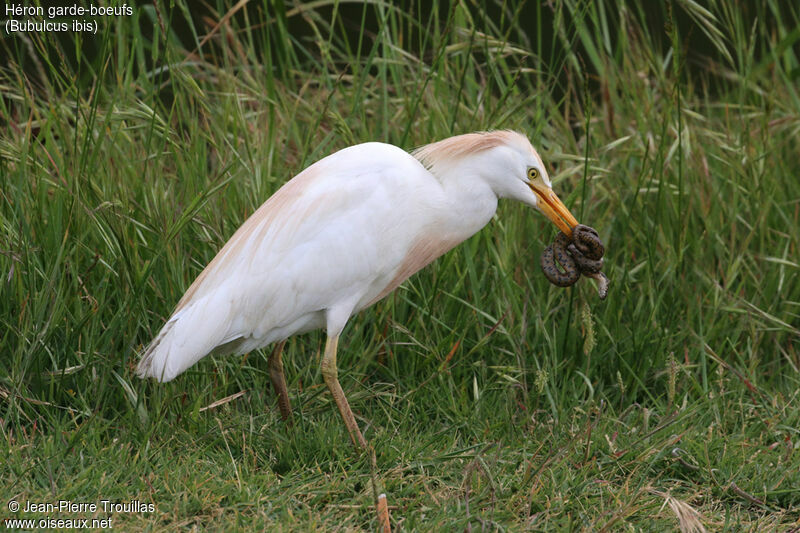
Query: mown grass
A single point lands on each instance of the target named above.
(493, 400)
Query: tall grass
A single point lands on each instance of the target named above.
(493, 398)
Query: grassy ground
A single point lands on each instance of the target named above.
(493, 400)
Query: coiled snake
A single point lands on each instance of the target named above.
(581, 255)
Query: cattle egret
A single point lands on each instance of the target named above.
(337, 238)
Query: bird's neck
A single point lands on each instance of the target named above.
(471, 204)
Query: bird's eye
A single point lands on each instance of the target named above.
(533, 174)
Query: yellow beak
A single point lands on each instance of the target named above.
(553, 208)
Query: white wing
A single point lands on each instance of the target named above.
(344, 232)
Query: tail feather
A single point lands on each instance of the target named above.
(154, 359)
(188, 336)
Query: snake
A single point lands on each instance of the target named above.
(580, 255)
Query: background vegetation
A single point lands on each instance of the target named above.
(493, 400)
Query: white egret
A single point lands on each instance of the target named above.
(337, 238)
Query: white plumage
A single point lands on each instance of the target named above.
(341, 235)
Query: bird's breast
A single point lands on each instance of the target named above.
(423, 251)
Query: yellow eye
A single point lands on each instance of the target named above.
(533, 174)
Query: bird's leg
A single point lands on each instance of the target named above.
(279, 381)
(330, 374)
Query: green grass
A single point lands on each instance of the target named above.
(493, 400)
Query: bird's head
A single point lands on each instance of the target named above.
(538, 192)
(506, 161)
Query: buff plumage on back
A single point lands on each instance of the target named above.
(180, 344)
